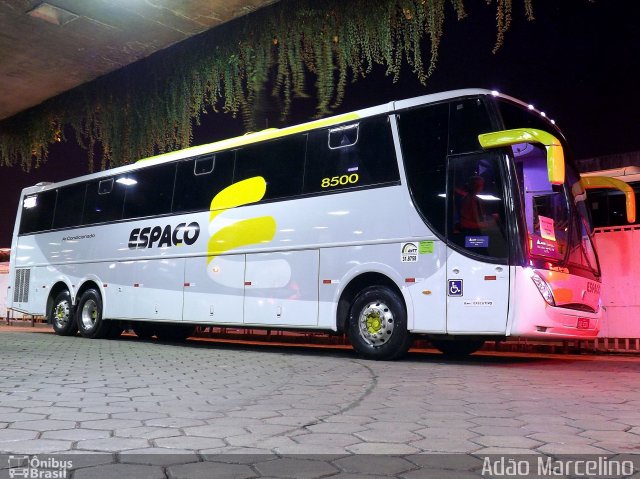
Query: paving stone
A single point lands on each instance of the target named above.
(210, 470)
(76, 434)
(519, 442)
(120, 470)
(377, 435)
(107, 424)
(112, 444)
(192, 443)
(215, 431)
(560, 449)
(77, 416)
(34, 446)
(156, 456)
(147, 432)
(138, 415)
(16, 435)
(175, 422)
(43, 425)
(381, 448)
(296, 468)
(327, 439)
(20, 416)
(367, 464)
(338, 428)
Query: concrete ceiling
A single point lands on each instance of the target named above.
(50, 47)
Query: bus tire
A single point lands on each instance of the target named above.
(61, 315)
(91, 324)
(457, 348)
(377, 324)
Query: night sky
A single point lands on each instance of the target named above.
(579, 61)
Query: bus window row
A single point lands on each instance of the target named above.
(320, 161)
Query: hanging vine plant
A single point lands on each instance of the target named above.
(152, 105)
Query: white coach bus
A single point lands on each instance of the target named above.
(458, 216)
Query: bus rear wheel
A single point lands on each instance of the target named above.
(457, 348)
(61, 315)
(91, 324)
(377, 324)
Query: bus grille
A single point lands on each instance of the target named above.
(21, 288)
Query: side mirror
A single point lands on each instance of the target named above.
(592, 182)
(555, 153)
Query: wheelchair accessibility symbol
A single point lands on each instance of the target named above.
(455, 287)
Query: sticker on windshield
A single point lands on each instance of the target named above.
(476, 241)
(547, 230)
(541, 247)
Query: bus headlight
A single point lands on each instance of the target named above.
(543, 287)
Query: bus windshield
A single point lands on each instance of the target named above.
(557, 220)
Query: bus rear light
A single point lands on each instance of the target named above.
(543, 288)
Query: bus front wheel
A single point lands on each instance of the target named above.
(61, 315)
(377, 326)
(91, 324)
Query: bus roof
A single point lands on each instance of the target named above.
(273, 133)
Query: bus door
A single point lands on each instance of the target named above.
(478, 246)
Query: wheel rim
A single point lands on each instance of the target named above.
(89, 314)
(376, 323)
(61, 314)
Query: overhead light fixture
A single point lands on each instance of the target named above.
(52, 14)
(126, 181)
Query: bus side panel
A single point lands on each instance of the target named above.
(214, 289)
(420, 279)
(281, 288)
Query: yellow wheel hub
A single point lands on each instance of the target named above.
(374, 324)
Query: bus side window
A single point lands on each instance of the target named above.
(148, 191)
(468, 118)
(105, 186)
(103, 202)
(355, 155)
(343, 136)
(423, 136)
(280, 162)
(198, 180)
(69, 206)
(37, 212)
(204, 166)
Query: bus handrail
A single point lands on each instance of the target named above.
(555, 153)
(593, 182)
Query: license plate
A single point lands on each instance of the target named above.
(583, 323)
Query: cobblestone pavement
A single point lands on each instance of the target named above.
(202, 409)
